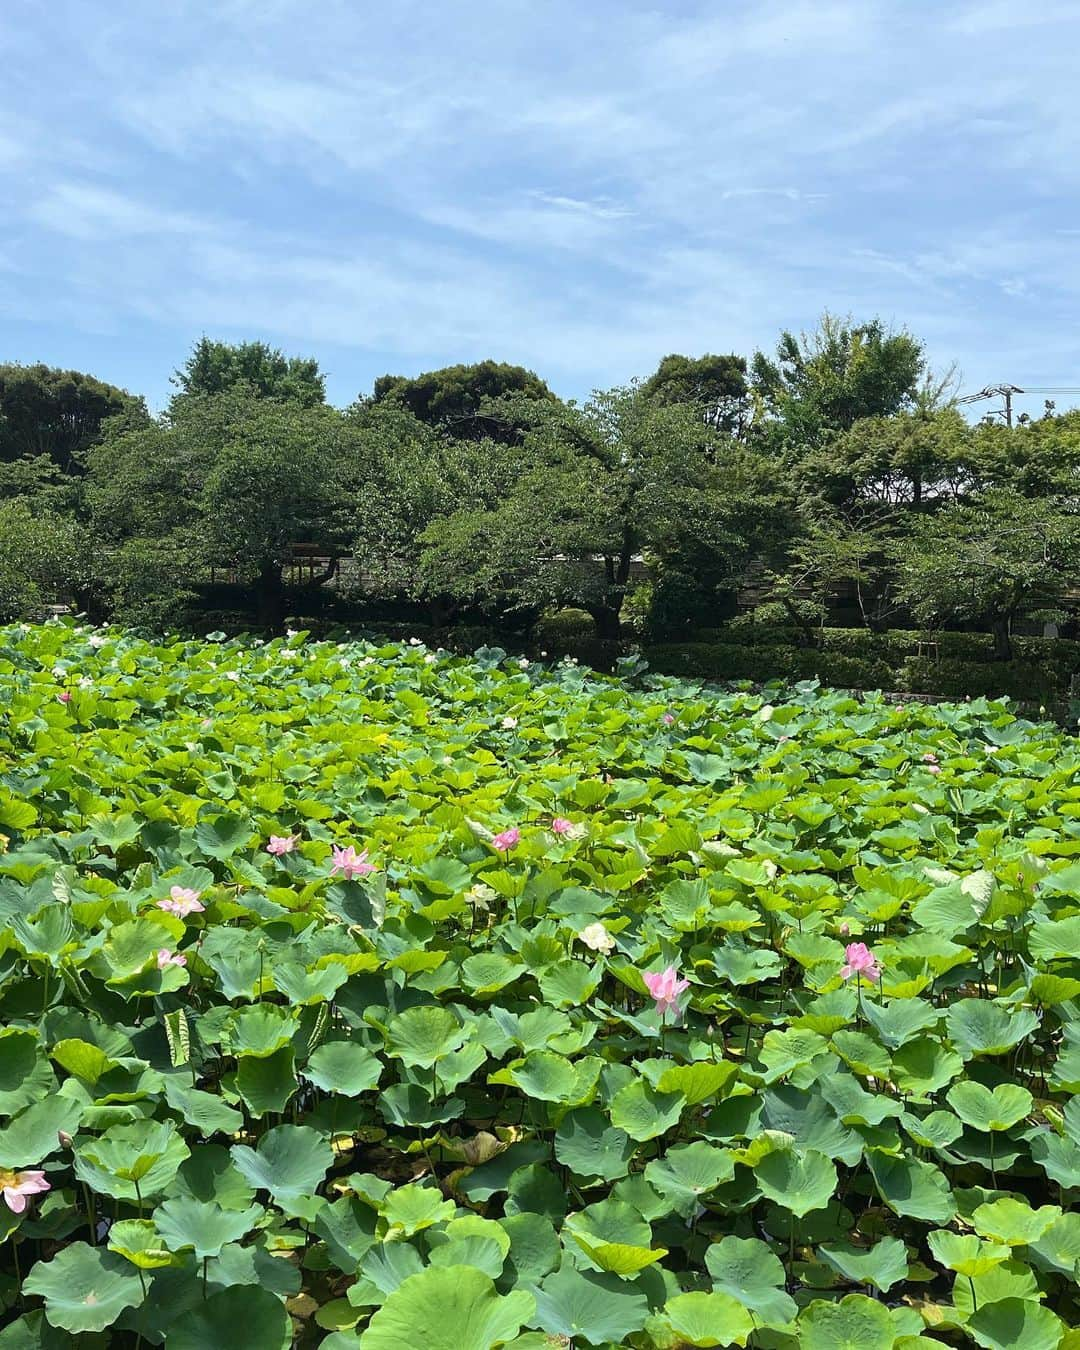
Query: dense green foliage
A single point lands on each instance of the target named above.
(459, 399)
(835, 479)
(430, 1100)
(219, 367)
(57, 414)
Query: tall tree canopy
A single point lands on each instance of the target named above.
(230, 480)
(596, 487)
(214, 367)
(458, 399)
(825, 381)
(715, 385)
(59, 413)
(990, 561)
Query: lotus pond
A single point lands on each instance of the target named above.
(365, 996)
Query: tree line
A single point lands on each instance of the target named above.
(836, 466)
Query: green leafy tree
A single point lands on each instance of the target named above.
(905, 460)
(832, 554)
(824, 382)
(410, 476)
(44, 559)
(990, 562)
(1037, 458)
(58, 413)
(715, 385)
(215, 367)
(458, 399)
(601, 486)
(235, 481)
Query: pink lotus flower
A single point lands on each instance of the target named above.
(845, 928)
(182, 901)
(64, 696)
(560, 825)
(281, 843)
(933, 768)
(929, 757)
(507, 840)
(665, 987)
(18, 1186)
(166, 958)
(860, 961)
(668, 719)
(350, 863)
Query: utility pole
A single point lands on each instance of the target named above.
(1003, 391)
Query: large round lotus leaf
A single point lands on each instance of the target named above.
(202, 1225)
(302, 986)
(697, 1082)
(409, 1209)
(748, 1270)
(912, 1188)
(937, 1129)
(205, 1111)
(147, 1153)
(260, 1030)
(644, 1114)
(243, 1315)
(855, 1323)
(139, 1241)
(546, 1076)
(448, 1308)
(688, 1172)
(1059, 1247)
(422, 1036)
(25, 1074)
(882, 1265)
(965, 1253)
(1016, 1322)
(583, 1305)
(709, 1319)
(1010, 1279)
(798, 1181)
(612, 1220)
(482, 1253)
(1059, 1158)
(924, 1066)
(291, 1160)
(32, 1332)
(85, 1288)
(589, 1146)
(978, 1027)
(343, 1067)
(266, 1082)
(1014, 1222)
(347, 1226)
(211, 1174)
(534, 1247)
(984, 1109)
(34, 1133)
(220, 836)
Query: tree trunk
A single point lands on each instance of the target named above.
(270, 597)
(803, 624)
(606, 618)
(1002, 631)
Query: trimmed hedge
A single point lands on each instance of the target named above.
(896, 645)
(1029, 681)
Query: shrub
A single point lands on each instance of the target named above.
(563, 630)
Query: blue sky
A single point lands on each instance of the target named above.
(580, 187)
